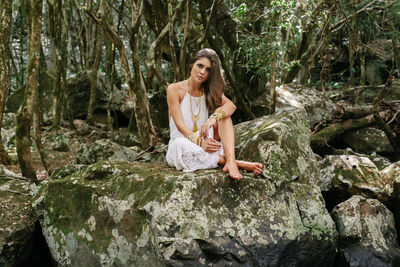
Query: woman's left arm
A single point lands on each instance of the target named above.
(227, 107)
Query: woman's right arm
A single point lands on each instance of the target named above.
(174, 109)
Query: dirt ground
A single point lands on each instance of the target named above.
(56, 158)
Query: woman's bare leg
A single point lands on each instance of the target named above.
(254, 167)
(226, 132)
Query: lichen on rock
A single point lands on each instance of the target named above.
(129, 213)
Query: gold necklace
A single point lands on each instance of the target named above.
(195, 117)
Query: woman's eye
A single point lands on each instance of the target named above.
(208, 69)
(200, 65)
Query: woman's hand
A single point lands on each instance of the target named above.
(205, 127)
(210, 145)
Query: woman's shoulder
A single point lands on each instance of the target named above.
(177, 88)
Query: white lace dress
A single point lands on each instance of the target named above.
(182, 153)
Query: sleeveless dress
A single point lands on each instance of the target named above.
(184, 154)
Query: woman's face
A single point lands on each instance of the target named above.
(201, 69)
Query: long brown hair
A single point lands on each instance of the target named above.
(214, 85)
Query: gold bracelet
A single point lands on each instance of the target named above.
(193, 137)
(218, 115)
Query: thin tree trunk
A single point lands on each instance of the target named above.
(393, 138)
(272, 99)
(22, 43)
(109, 68)
(78, 26)
(304, 48)
(89, 40)
(25, 114)
(320, 141)
(206, 24)
(65, 100)
(5, 78)
(153, 58)
(94, 74)
(38, 135)
(174, 62)
(353, 49)
(137, 91)
(55, 24)
(142, 105)
(182, 57)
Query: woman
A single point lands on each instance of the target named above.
(194, 136)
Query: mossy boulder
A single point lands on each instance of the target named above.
(15, 99)
(367, 233)
(343, 176)
(17, 218)
(317, 106)
(391, 177)
(368, 140)
(64, 171)
(281, 143)
(119, 213)
(379, 161)
(104, 149)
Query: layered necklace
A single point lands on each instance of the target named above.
(195, 116)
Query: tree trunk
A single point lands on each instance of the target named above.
(38, 135)
(136, 89)
(93, 78)
(305, 48)
(25, 113)
(353, 49)
(320, 141)
(55, 24)
(174, 61)
(182, 57)
(5, 78)
(141, 105)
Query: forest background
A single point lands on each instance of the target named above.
(346, 49)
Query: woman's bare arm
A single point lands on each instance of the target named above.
(174, 109)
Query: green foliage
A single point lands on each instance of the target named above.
(263, 32)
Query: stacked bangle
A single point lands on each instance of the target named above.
(194, 137)
(218, 115)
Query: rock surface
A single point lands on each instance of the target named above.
(17, 219)
(104, 149)
(343, 176)
(368, 140)
(318, 107)
(379, 161)
(118, 213)
(367, 233)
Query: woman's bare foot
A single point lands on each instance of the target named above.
(233, 170)
(254, 167)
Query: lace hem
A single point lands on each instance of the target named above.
(187, 156)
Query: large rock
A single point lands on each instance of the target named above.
(379, 161)
(17, 219)
(318, 106)
(367, 233)
(78, 87)
(105, 149)
(139, 214)
(343, 176)
(391, 177)
(368, 140)
(8, 129)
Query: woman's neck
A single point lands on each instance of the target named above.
(195, 88)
